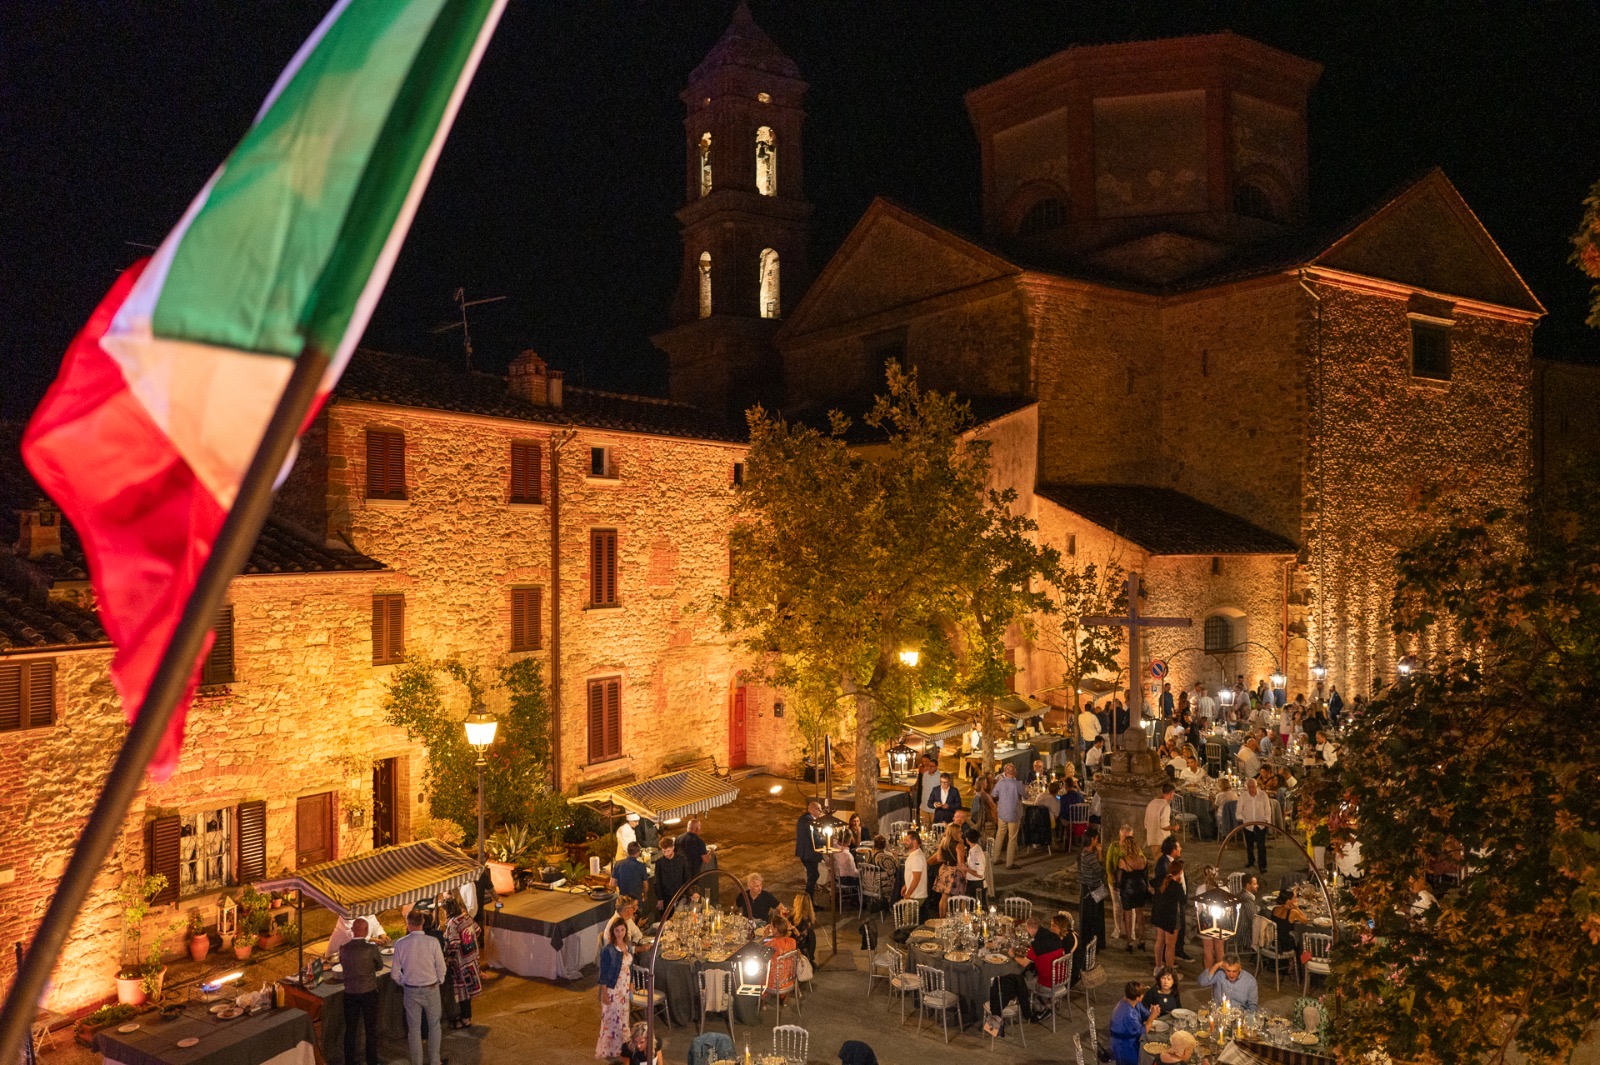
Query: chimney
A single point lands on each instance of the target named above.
(529, 378)
(41, 531)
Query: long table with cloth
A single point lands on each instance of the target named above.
(548, 934)
(968, 971)
(275, 1037)
(327, 1001)
(1022, 757)
(1056, 751)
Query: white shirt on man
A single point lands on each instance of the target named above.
(977, 864)
(626, 834)
(418, 960)
(1248, 761)
(1157, 818)
(917, 862)
(1088, 725)
(1257, 807)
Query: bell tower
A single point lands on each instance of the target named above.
(744, 222)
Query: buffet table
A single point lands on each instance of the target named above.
(276, 1037)
(548, 934)
(326, 1001)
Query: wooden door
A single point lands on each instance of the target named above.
(384, 822)
(736, 730)
(313, 829)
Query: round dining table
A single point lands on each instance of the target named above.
(968, 977)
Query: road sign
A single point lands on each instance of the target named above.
(1158, 668)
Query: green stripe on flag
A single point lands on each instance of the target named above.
(316, 183)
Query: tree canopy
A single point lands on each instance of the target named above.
(1485, 758)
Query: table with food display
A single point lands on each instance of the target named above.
(238, 1031)
(1227, 1034)
(551, 934)
(697, 937)
(319, 991)
(972, 950)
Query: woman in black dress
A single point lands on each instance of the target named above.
(1164, 992)
(1166, 914)
(1133, 889)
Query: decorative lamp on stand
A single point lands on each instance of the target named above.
(1278, 679)
(1216, 913)
(1406, 666)
(828, 830)
(481, 727)
(902, 762)
(1225, 696)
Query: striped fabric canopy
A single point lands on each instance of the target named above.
(382, 879)
(935, 727)
(1021, 707)
(681, 794)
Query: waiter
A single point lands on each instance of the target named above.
(805, 843)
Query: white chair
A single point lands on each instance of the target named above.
(1017, 908)
(644, 997)
(907, 914)
(935, 996)
(1060, 989)
(871, 888)
(905, 983)
(783, 978)
(792, 1043)
(1320, 946)
(1267, 949)
(1077, 814)
(885, 962)
(716, 996)
(1010, 1013)
(1236, 883)
(1089, 962)
(956, 905)
(896, 830)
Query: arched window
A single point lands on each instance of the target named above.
(1042, 217)
(1219, 634)
(769, 283)
(705, 284)
(705, 163)
(1253, 201)
(766, 161)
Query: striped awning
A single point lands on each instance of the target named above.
(1021, 707)
(382, 879)
(935, 727)
(681, 794)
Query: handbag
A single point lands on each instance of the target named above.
(804, 971)
(1093, 978)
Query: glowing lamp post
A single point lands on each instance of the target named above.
(1216, 913)
(1320, 671)
(831, 830)
(1406, 666)
(1278, 679)
(481, 727)
(901, 761)
(909, 657)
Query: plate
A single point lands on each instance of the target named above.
(958, 955)
(219, 1007)
(337, 967)
(131, 1026)
(996, 959)
(719, 957)
(937, 922)
(189, 1042)
(1155, 1050)
(674, 955)
(1183, 1015)
(928, 948)
(387, 952)
(1305, 1039)
(230, 1013)
(1158, 1026)
(924, 933)
(1322, 922)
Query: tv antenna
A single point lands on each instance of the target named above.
(463, 303)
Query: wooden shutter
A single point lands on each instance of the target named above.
(597, 721)
(161, 855)
(388, 629)
(526, 621)
(380, 629)
(525, 473)
(218, 668)
(251, 817)
(41, 693)
(603, 567)
(613, 718)
(397, 628)
(11, 689)
(27, 695)
(386, 464)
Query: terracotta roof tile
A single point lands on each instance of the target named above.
(30, 621)
(1164, 521)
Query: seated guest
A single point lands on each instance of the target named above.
(804, 928)
(1286, 914)
(761, 903)
(1163, 994)
(1191, 775)
(1248, 760)
(1037, 773)
(1094, 758)
(627, 908)
(1129, 1020)
(1045, 947)
(1231, 984)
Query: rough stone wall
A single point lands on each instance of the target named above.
(1381, 443)
(458, 548)
(1094, 355)
(1232, 388)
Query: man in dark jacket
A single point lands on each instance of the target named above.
(672, 872)
(693, 848)
(946, 800)
(805, 843)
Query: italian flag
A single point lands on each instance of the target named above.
(163, 398)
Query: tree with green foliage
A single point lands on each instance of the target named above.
(518, 773)
(1096, 589)
(1484, 756)
(1586, 250)
(846, 555)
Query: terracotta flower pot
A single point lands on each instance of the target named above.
(502, 875)
(199, 947)
(130, 990)
(270, 942)
(242, 950)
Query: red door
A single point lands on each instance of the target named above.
(736, 731)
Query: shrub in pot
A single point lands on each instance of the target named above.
(136, 895)
(243, 945)
(509, 845)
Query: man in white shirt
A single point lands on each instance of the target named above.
(1192, 775)
(977, 867)
(420, 971)
(1158, 822)
(1254, 805)
(1248, 760)
(1330, 753)
(916, 871)
(627, 832)
(1205, 706)
(1094, 758)
(1088, 727)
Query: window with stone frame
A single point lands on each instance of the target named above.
(386, 464)
(1219, 634)
(27, 694)
(205, 851)
(388, 629)
(766, 161)
(605, 718)
(218, 667)
(602, 567)
(1430, 349)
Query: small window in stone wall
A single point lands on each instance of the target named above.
(738, 473)
(205, 851)
(527, 608)
(27, 694)
(386, 464)
(602, 463)
(1218, 634)
(1072, 544)
(218, 667)
(1430, 350)
(388, 629)
(526, 482)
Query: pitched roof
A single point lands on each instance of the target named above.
(745, 44)
(35, 621)
(409, 381)
(1164, 521)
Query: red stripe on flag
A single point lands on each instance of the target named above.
(146, 522)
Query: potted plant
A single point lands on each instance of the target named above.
(505, 848)
(585, 825)
(137, 894)
(243, 944)
(253, 911)
(272, 937)
(104, 1017)
(199, 940)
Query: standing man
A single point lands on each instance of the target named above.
(1094, 758)
(1206, 707)
(1158, 820)
(420, 971)
(1088, 727)
(1254, 806)
(1166, 700)
(627, 832)
(1008, 801)
(805, 843)
(930, 784)
(672, 872)
(693, 848)
(916, 873)
(1092, 889)
(630, 874)
(946, 800)
(1335, 706)
(360, 961)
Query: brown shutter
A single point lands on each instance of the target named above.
(252, 822)
(611, 568)
(396, 473)
(218, 668)
(161, 855)
(534, 620)
(525, 473)
(519, 629)
(613, 718)
(525, 618)
(597, 721)
(603, 567)
(377, 458)
(386, 465)
(41, 693)
(380, 629)
(397, 628)
(10, 697)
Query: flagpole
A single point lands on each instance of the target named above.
(228, 556)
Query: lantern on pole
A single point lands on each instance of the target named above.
(909, 657)
(751, 968)
(902, 762)
(1216, 913)
(1320, 671)
(1225, 696)
(1406, 666)
(1278, 679)
(830, 830)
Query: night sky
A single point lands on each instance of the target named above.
(557, 186)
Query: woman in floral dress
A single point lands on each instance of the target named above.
(616, 970)
(461, 958)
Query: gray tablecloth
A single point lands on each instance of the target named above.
(968, 979)
(244, 1041)
(681, 982)
(555, 915)
(391, 1014)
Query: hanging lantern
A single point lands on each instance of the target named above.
(1216, 913)
(1278, 679)
(1407, 665)
(1225, 697)
(1320, 671)
(909, 657)
(902, 762)
(751, 967)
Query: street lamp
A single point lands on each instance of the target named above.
(1278, 679)
(1406, 666)
(901, 760)
(909, 657)
(1216, 912)
(481, 727)
(1225, 696)
(1320, 671)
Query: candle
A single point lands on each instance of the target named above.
(594, 865)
